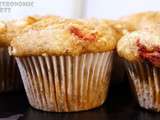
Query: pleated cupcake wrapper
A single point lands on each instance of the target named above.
(9, 73)
(146, 82)
(66, 83)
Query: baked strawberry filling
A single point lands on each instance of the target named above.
(77, 32)
(152, 56)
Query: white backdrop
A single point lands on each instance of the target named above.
(117, 8)
(42, 7)
(82, 8)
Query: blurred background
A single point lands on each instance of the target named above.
(77, 8)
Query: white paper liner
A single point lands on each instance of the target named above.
(10, 79)
(66, 83)
(146, 82)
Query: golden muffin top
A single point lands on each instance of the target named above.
(140, 45)
(121, 27)
(2, 33)
(143, 20)
(62, 36)
(10, 29)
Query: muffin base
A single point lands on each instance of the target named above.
(66, 83)
(146, 82)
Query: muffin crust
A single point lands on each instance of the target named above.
(10, 29)
(64, 37)
(143, 20)
(140, 45)
(120, 27)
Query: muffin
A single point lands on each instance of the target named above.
(65, 65)
(121, 27)
(143, 20)
(9, 74)
(141, 51)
